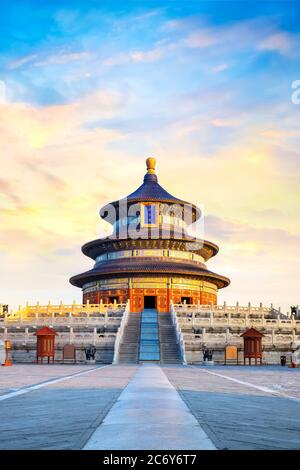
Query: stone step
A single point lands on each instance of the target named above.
(129, 347)
(169, 349)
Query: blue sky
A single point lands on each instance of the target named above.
(90, 89)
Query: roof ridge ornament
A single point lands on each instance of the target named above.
(151, 162)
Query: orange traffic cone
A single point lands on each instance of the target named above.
(7, 348)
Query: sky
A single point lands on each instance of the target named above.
(89, 89)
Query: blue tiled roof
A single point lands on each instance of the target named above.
(150, 190)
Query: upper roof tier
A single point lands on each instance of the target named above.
(151, 191)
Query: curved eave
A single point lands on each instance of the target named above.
(96, 247)
(124, 267)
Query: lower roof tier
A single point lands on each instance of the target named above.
(156, 266)
(204, 248)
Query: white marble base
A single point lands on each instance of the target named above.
(90, 362)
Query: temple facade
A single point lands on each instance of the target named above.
(150, 258)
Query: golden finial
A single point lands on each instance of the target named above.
(151, 162)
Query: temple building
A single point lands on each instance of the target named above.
(150, 258)
(150, 296)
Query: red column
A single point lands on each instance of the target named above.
(130, 299)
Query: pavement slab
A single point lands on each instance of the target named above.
(247, 413)
(61, 415)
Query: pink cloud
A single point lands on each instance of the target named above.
(281, 42)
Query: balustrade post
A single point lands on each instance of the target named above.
(74, 306)
(249, 307)
(261, 307)
(237, 307)
(211, 318)
(95, 335)
(26, 335)
(246, 320)
(5, 333)
(203, 335)
(227, 336)
(71, 338)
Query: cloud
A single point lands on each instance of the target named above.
(59, 58)
(220, 68)
(257, 34)
(255, 259)
(200, 39)
(62, 58)
(281, 42)
(17, 63)
(141, 56)
(8, 191)
(261, 238)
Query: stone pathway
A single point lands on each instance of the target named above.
(149, 414)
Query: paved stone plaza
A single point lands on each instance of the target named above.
(149, 407)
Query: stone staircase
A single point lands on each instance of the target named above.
(129, 348)
(130, 351)
(149, 338)
(169, 349)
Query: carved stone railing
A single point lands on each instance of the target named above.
(198, 322)
(74, 314)
(222, 309)
(214, 316)
(179, 335)
(120, 333)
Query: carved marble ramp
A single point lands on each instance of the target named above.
(149, 414)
